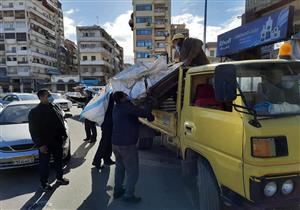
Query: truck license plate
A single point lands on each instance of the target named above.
(24, 160)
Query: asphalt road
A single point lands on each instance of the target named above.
(160, 185)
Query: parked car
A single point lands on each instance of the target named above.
(1, 107)
(10, 97)
(63, 103)
(17, 148)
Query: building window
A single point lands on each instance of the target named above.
(10, 35)
(2, 47)
(146, 19)
(21, 37)
(161, 45)
(23, 48)
(88, 34)
(93, 58)
(1, 37)
(84, 58)
(160, 33)
(143, 55)
(11, 58)
(20, 24)
(143, 7)
(144, 31)
(144, 43)
(20, 14)
(212, 53)
(9, 13)
(9, 26)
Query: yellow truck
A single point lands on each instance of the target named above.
(236, 126)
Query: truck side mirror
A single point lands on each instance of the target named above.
(225, 83)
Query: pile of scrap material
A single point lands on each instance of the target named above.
(138, 79)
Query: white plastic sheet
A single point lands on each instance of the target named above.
(135, 80)
(96, 108)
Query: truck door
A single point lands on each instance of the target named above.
(213, 130)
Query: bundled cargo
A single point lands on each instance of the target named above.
(136, 80)
(96, 108)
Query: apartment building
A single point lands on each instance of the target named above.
(151, 26)
(31, 33)
(100, 56)
(71, 61)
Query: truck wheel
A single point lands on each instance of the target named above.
(145, 143)
(209, 196)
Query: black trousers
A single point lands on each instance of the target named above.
(104, 150)
(90, 130)
(44, 159)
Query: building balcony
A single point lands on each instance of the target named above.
(10, 41)
(41, 55)
(96, 62)
(11, 63)
(160, 38)
(8, 19)
(22, 52)
(159, 25)
(49, 30)
(11, 52)
(91, 73)
(36, 12)
(160, 49)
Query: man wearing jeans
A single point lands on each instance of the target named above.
(124, 140)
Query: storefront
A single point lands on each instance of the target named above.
(256, 39)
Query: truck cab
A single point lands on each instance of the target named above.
(238, 125)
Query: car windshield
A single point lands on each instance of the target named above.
(16, 114)
(28, 97)
(271, 88)
(57, 96)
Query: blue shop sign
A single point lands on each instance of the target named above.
(53, 71)
(90, 82)
(266, 30)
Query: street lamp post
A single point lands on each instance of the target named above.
(205, 23)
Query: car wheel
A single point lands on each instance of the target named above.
(145, 143)
(208, 189)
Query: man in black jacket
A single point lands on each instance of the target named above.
(104, 150)
(48, 132)
(90, 126)
(124, 140)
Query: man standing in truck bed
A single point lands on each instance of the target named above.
(189, 50)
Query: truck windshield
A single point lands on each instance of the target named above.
(271, 88)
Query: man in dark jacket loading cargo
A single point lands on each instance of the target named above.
(190, 50)
(124, 140)
(48, 132)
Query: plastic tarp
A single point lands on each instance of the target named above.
(136, 80)
(96, 108)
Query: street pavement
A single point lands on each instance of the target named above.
(160, 185)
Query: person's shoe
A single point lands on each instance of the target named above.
(109, 162)
(98, 166)
(46, 187)
(132, 199)
(119, 194)
(92, 141)
(86, 139)
(62, 181)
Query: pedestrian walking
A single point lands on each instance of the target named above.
(104, 150)
(189, 50)
(48, 132)
(124, 140)
(90, 126)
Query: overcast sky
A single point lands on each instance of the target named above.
(113, 15)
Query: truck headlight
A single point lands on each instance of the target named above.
(287, 187)
(266, 147)
(270, 189)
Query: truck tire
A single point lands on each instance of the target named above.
(209, 195)
(145, 143)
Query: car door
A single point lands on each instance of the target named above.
(213, 132)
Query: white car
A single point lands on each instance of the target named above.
(16, 146)
(63, 103)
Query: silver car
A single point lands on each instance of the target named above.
(16, 146)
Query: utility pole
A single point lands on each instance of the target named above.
(205, 24)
